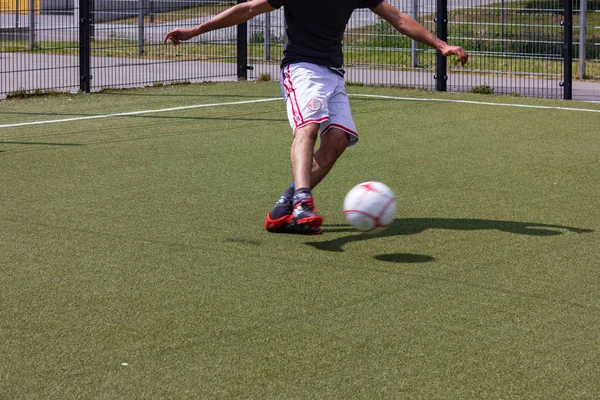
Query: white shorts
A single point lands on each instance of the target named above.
(315, 94)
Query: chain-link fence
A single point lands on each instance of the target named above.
(515, 47)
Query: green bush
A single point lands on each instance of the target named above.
(483, 89)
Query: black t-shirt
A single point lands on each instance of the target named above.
(315, 29)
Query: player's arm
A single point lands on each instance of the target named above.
(235, 15)
(408, 26)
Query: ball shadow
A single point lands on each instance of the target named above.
(404, 258)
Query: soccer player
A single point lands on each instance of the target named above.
(312, 82)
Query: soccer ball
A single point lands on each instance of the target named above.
(370, 205)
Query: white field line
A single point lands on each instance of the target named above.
(125, 114)
(373, 96)
(486, 103)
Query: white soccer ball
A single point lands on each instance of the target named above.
(370, 205)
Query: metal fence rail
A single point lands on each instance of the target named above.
(128, 50)
(516, 47)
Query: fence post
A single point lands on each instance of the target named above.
(567, 24)
(267, 36)
(31, 24)
(441, 19)
(85, 45)
(141, 13)
(242, 49)
(16, 18)
(414, 55)
(582, 38)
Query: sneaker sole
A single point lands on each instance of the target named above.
(313, 222)
(297, 229)
(274, 224)
(296, 232)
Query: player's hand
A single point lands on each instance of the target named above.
(458, 51)
(179, 34)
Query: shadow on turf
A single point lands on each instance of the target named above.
(412, 226)
(404, 258)
(41, 143)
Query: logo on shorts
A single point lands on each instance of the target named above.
(314, 105)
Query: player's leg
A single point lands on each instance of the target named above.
(303, 204)
(295, 211)
(331, 147)
(301, 154)
(333, 143)
(302, 161)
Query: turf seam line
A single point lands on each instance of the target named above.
(125, 114)
(485, 103)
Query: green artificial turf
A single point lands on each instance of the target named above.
(135, 264)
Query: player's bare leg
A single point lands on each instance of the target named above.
(302, 154)
(303, 210)
(333, 144)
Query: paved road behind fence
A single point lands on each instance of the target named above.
(66, 75)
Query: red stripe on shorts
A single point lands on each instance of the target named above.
(298, 119)
(311, 121)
